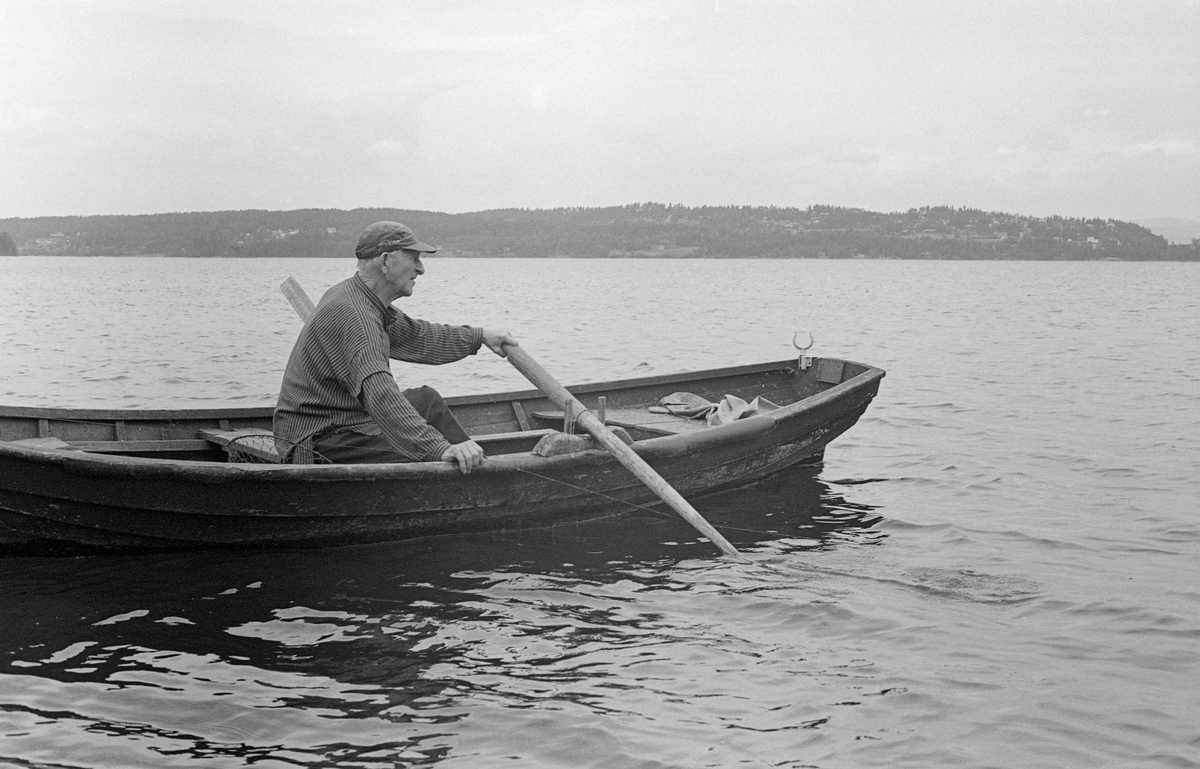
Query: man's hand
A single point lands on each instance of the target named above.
(495, 341)
(467, 454)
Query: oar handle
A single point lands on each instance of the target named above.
(298, 298)
(550, 386)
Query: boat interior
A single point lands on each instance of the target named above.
(502, 423)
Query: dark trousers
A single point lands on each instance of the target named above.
(349, 447)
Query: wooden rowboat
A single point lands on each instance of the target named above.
(177, 479)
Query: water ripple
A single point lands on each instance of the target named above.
(995, 567)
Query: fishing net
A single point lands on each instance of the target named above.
(253, 449)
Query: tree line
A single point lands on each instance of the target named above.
(638, 229)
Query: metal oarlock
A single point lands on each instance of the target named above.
(803, 361)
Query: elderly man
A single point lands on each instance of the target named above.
(339, 402)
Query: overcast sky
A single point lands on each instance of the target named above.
(1044, 107)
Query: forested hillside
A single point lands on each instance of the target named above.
(642, 230)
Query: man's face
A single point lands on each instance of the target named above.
(403, 267)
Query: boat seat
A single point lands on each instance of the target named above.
(638, 419)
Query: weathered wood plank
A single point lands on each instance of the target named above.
(135, 446)
(829, 371)
(639, 419)
(42, 443)
(483, 440)
(519, 413)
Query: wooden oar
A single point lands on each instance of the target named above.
(298, 297)
(541, 379)
(575, 410)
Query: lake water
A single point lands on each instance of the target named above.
(999, 566)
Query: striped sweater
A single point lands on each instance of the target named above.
(351, 336)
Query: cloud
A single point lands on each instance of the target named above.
(1170, 147)
(129, 107)
(388, 149)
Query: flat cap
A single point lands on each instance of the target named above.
(382, 237)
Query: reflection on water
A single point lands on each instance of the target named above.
(375, 654)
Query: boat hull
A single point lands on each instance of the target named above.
(124, 501)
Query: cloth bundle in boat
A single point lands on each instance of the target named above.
(730, 409)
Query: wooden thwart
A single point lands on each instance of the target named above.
(637, 419)
(518, 435)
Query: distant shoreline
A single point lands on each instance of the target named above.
(647, 257)
(636, 231)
